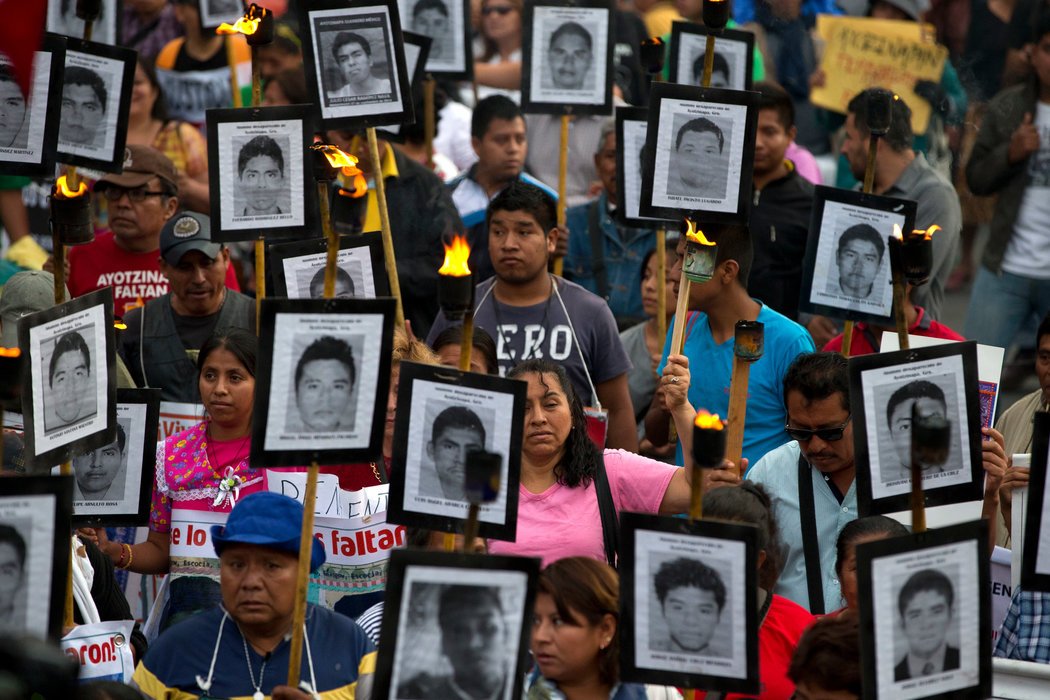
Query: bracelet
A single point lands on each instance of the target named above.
(120, 559)
(125, 548)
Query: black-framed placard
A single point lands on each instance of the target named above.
(846, 271)
(417, 48)
(447, 23)
(62, 19)
(29, 127)
(70, 390)
(688, 611)
(631, 126)
(324, 374)
(702, 144)
(453, 616)
(354, 59)
(34, 553)
(446, 415)
(1035, 558)
(96, 96)
(258, 179)
(215, 12)
(113, 483)
(734, 58)
(939, 380)
(568, 50)
(925, 614)
(297, 269)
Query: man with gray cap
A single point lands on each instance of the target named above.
(162, 337)
(140, 200)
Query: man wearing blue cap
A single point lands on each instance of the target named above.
(242, 648)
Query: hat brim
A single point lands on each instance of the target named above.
(9, 332)
(221, 541)
(127, 179)
(174, 254)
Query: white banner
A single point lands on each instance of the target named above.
(103, 650)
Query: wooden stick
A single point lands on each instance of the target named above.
(678, 338)
(696, 493)
(898, 311)
(332, 240)
(256, 78)
(847, 338)
(470, 530)
(869, 167)
(302, 583)
(429, 120)
(661, 276)
(231, 59)
(384, 222)
(449, 542)
(735, 418)
(563, 166)
(466, 342)
(709, 60)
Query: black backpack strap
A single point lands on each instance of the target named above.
(810, 544)
(594, 230)
(607, 511)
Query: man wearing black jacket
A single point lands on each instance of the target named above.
(781, 206)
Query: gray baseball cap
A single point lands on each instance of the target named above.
(185, 232)
(25, 293)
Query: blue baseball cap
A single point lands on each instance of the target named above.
(266, 519)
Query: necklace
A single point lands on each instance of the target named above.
(258, 695)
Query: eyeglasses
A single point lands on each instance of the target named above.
(139, 194)
(825, 434)
(499, 10)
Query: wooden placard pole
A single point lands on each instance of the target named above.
(563, 167)
(481, 482)
(260, 244)
(748, 346)
(384, 223)
(302, 582)
(930, 444)
(429, 119)
(899, 317)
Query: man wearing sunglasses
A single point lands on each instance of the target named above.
(138, 202)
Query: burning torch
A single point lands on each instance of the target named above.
(709, 450)
(748, 344)
(329, 161)
(70, 224)
(911, 260)
(257, 27)
(456, 294)
(481, 482)
(930, 444)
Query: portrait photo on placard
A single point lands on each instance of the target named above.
(689, 619)
(455, 621)
(96, 95)
(257, 170)
(34, 554)
(451, 414)
(71, 387)
(215, 12)
(446, 23)
(733, 57)
(631, 126)
(62, 19)
(938, 381)
(569, 57)
(924, 602)
(322, 378)
(702, 141)
(355, 63)
(29, 127)
(1035, 561)
(298, 268)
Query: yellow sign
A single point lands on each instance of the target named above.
(860, 52)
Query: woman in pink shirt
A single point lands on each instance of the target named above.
(564, 476)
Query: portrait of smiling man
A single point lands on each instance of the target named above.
(570, 54)
(83, 107)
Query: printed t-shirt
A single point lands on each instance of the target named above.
(1028, 253)
(711, 368)
(565, 522)
(543, 331)
(134, 277)
(192, 87)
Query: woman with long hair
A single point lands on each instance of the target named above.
(498, 69)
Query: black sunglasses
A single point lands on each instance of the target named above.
(825, 434)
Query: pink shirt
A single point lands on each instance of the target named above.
(564, 522)
(805, 163)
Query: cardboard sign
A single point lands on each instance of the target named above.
(103, 650)
(860, 52)
(1002, 589)
(331, 501)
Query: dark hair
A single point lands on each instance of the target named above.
(918, 389)
(670, 244)
(488, 110)
(772, 96)
(580, 461)
(344, 38)
(293, 84)
(734, 243)
(68, 342)
(326, 348)
(587, 588)
(9, 535)
(684, 572)
(6, 76)
(459, 595)
(521, 196)
(862, 232)
(424, 5)
(860, 528)
(482, 343)
(260, 146)
(341, 275)
(122, 437)
(899, 137)
(108, 690)
(571, 28)
(719, 64)
(817, 376)
(1044, 325)
(700, 125)
(160, 105)
(238, 342)
(828, 655)
(925, 580)
(78, 75)
(457, 417)
(749, 503)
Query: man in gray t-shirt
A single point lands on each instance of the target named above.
(532, 314)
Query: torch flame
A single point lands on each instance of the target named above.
(63, 188)
(338, 158)
(248, 24)
(456, 256)
(708, 421)
(696, 235)
(926, 233)
(653, 41)
(898, 233)
(10, 352)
